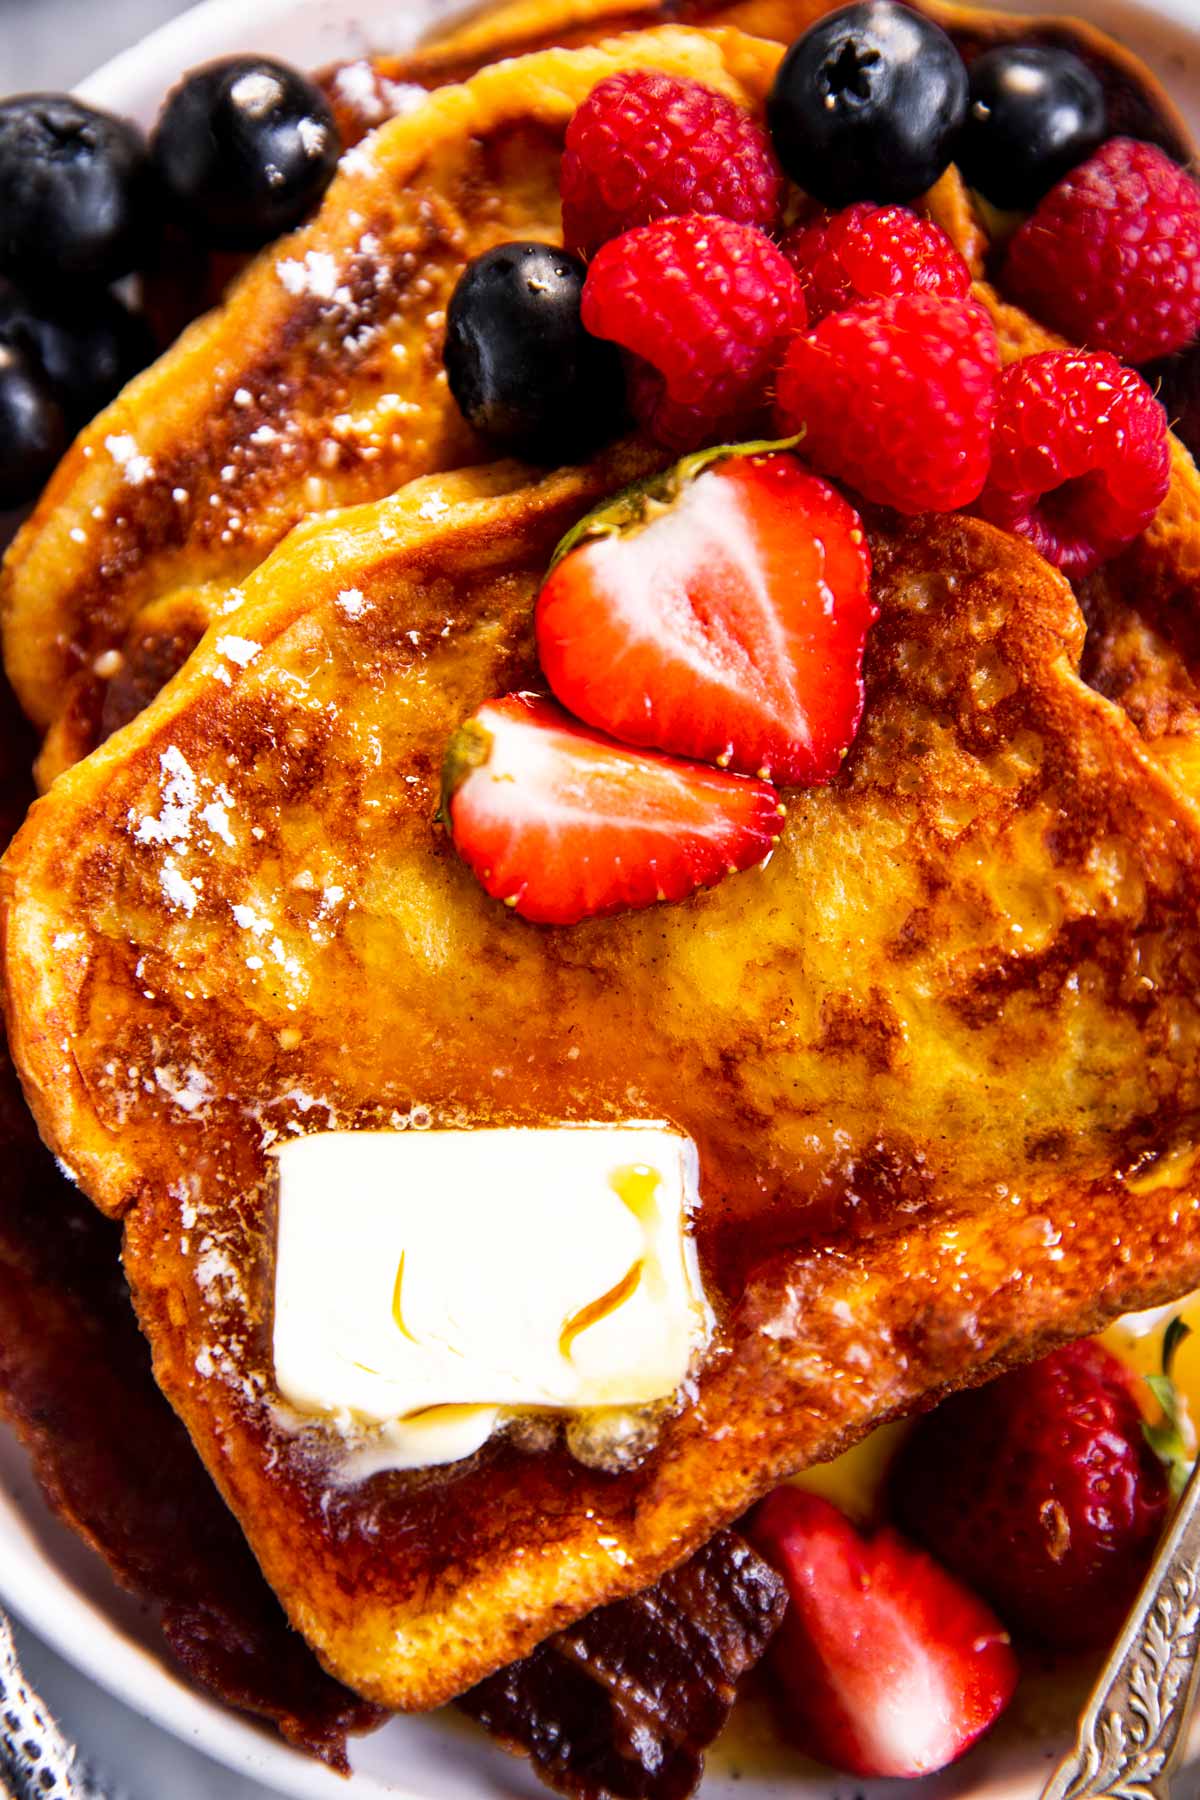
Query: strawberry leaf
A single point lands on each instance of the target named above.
(1173, 1337)
(634, 505)
(467, 750)
(1169, 1437)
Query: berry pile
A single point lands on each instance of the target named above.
(872, 253)
(1080, 459)
(1111, 257)
(516, 343)
(867, 105)
(855, 330)
(896, 397)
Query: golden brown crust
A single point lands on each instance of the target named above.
(940, 1056)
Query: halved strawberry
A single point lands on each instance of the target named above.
(562, 824)
(885, 1664)
(719, 612)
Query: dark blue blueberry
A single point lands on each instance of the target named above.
(76, 192)
(867, 105)
(522, 368)
(86, 351)
(1033, 115)
(245, 148)
(33, 429)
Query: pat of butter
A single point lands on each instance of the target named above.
(429, 1282)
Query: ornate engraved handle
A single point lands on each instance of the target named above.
(1138, 1714)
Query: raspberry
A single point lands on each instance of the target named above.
(1080, 457)
(645, 146)
(1111, 257)
(708, 306)
(896, 397)
(871, 253)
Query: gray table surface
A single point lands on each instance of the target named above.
(51, 44)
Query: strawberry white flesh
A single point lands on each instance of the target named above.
(885, 1664)
(564, 824)
(729, 627)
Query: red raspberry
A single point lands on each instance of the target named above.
(1080, 457)
(1041, 1492)
(895, 397)
(708, 306)
(871, 253)
(1111, 257)
(645, 146)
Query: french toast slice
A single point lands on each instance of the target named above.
(628, 1701)
(939, 1057)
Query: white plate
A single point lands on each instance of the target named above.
(58, 1587)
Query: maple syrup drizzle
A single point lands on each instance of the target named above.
(397, 1306)
(595, 1310)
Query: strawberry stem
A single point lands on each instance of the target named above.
(1169, 1437)
(467, 750)
(628, 509)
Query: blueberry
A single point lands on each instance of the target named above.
(524, 371)
(86, 351)
(76, 193)
(33, 429)
(867, 104)
(245, 148)
(1033, 115)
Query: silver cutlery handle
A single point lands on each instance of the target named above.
(1137, 1716)
(36, 1761)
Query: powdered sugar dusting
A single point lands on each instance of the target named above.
(216, 817)
(189, 1089)
(136, 468)
(180, 793)
(177, 890)
(358, 88)
(358, 162)
(239, 650)
(317, 275)
(250, 921)
(313, 136)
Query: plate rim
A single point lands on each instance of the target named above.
(34, 1587)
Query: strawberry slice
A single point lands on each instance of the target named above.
(562, 824)
(720, 612)
(885, 1664)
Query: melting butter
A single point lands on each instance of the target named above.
(427, 1286)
